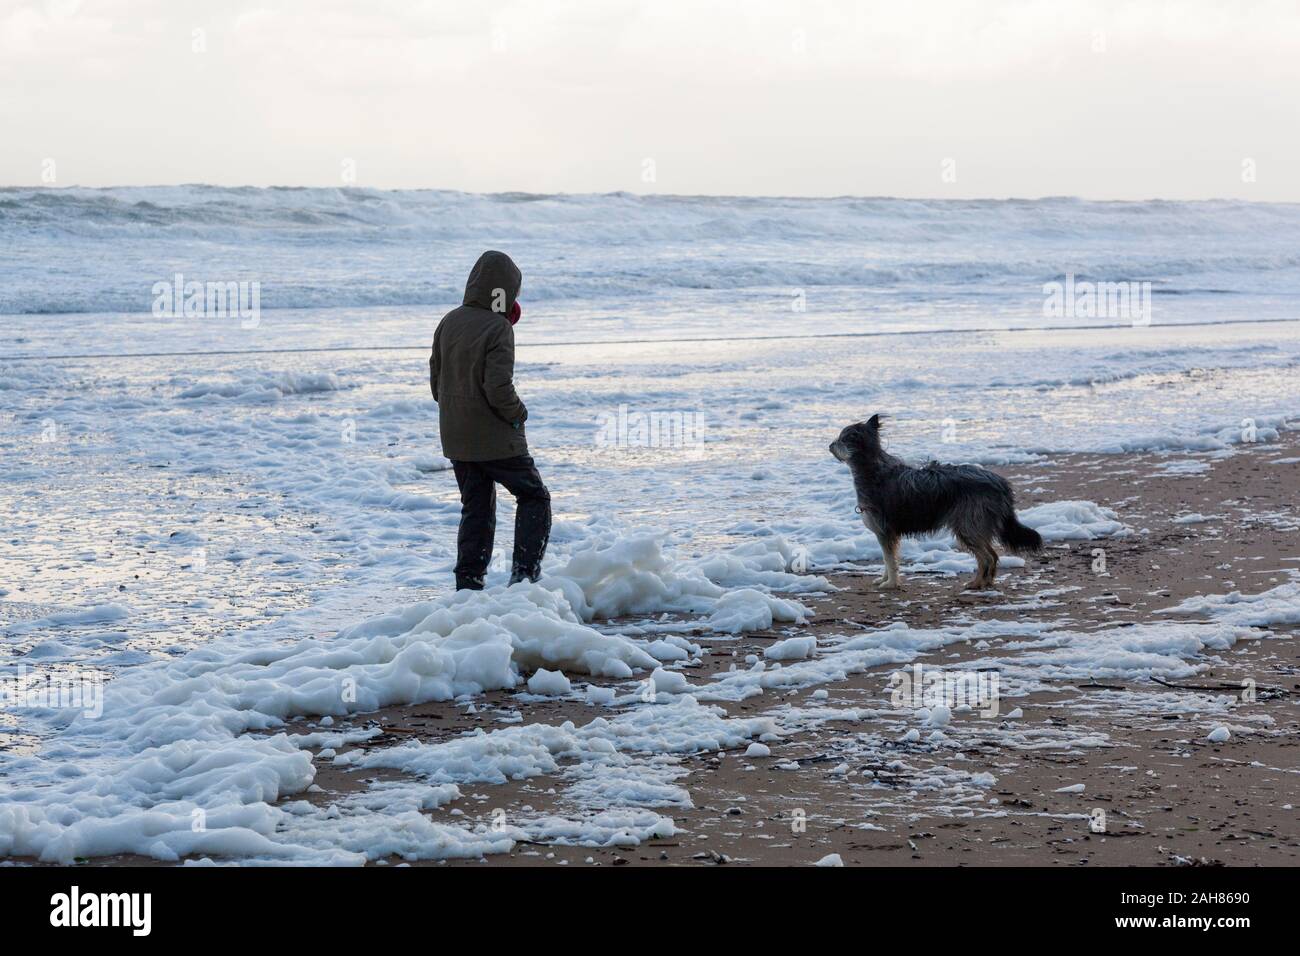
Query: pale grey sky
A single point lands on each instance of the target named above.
(1121, 100)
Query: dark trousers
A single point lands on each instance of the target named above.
(478, 518)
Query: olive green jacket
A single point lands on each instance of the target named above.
(472, 367)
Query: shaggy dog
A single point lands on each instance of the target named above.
(896, 499)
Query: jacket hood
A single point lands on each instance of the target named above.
(493, 271)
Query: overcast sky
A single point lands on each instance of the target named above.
(1122, 100)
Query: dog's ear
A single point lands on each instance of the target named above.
(873, 421)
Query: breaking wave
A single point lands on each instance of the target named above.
(355, 247)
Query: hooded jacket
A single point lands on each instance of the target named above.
(472, 367)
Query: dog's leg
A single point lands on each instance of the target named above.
(977, 582)
(993, 569)
(981, 568)
(979, 550)
(987, 560)
(889, 548)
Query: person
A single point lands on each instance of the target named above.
(481, 419)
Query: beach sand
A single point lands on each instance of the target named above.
(1169, 796)
(1139, 749)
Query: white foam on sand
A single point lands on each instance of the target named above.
(1167, 649)
(791, 649)
(1279, 605)
(199, 736)
(190, 756)
(1073, 521)
(634, 576)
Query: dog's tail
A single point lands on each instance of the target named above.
(1018, 538)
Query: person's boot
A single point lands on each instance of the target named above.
(519, 574)
(469, 582)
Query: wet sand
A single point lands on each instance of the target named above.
(1169, 797)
